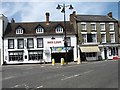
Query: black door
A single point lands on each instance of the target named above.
(105, 53)
(58, 56)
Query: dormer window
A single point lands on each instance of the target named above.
(19, 30)
(39, 29)
(59, 29)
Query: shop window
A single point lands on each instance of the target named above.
(113, 51)
(10, 43)
(92, 54)
(36, 55)
(20, 43)
(16, 56)
(39, 42)
(110, 51)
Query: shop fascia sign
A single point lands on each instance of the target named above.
(54, 42)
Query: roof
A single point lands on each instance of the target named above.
(95, 18)
(29, 28)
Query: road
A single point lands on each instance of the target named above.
(102, 74)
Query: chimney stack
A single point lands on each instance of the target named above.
(47, 17)
(72, 17)
(110, 14)
(12, 21)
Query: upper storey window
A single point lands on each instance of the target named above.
(39, 29)
(93, 26)
(19, 30)
(111, 26)
(102, 26)
(83, 25)
(59, 29)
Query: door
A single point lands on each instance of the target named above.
(105, 53)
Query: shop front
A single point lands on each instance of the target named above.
(62, 52)
(109, 51)
(88, 53)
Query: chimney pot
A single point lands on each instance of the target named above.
(110, 14)
(12, 21)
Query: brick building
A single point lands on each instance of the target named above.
(97, 35)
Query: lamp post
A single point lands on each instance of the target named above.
(63, 11)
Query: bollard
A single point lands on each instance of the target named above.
(53, 62)
(62, 61)
(78, 61)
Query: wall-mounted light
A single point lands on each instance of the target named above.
(53, 38)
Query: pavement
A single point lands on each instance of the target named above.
(56, 64)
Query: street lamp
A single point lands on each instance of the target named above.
(63, 11)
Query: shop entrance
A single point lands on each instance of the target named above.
(58, 56)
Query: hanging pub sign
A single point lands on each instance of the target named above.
(60, 49)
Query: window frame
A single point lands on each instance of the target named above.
(94, 26)
(9, 44)
(113, 38)
(15, 55)
(104, 38)
(111, 29)
(84, 39)
(29, 43)
(83, 23)
(39, 29)
(59, 29)
(18, 43)
(103, 27)
(39, 43)
(35, 55)
(19, 30)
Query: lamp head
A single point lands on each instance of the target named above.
(71, 7)
(58, 7)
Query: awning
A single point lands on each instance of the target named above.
(89, 49)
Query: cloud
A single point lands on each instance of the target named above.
(35, 11)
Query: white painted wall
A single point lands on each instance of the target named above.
(119, 51)
(46, 46)
(2, 18)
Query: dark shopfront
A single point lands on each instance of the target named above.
(59, 52)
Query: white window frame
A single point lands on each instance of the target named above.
(20, 43)
(94, 37)
(19, 30)
(83, 23)
(103, 26)
(39, 29)
(113, 37)
(84, 40)
(102, 38)
(112, 28)
(93, 24)
(59, 29)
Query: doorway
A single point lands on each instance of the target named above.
(105, 53)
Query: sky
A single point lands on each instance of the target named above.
(34, 10)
